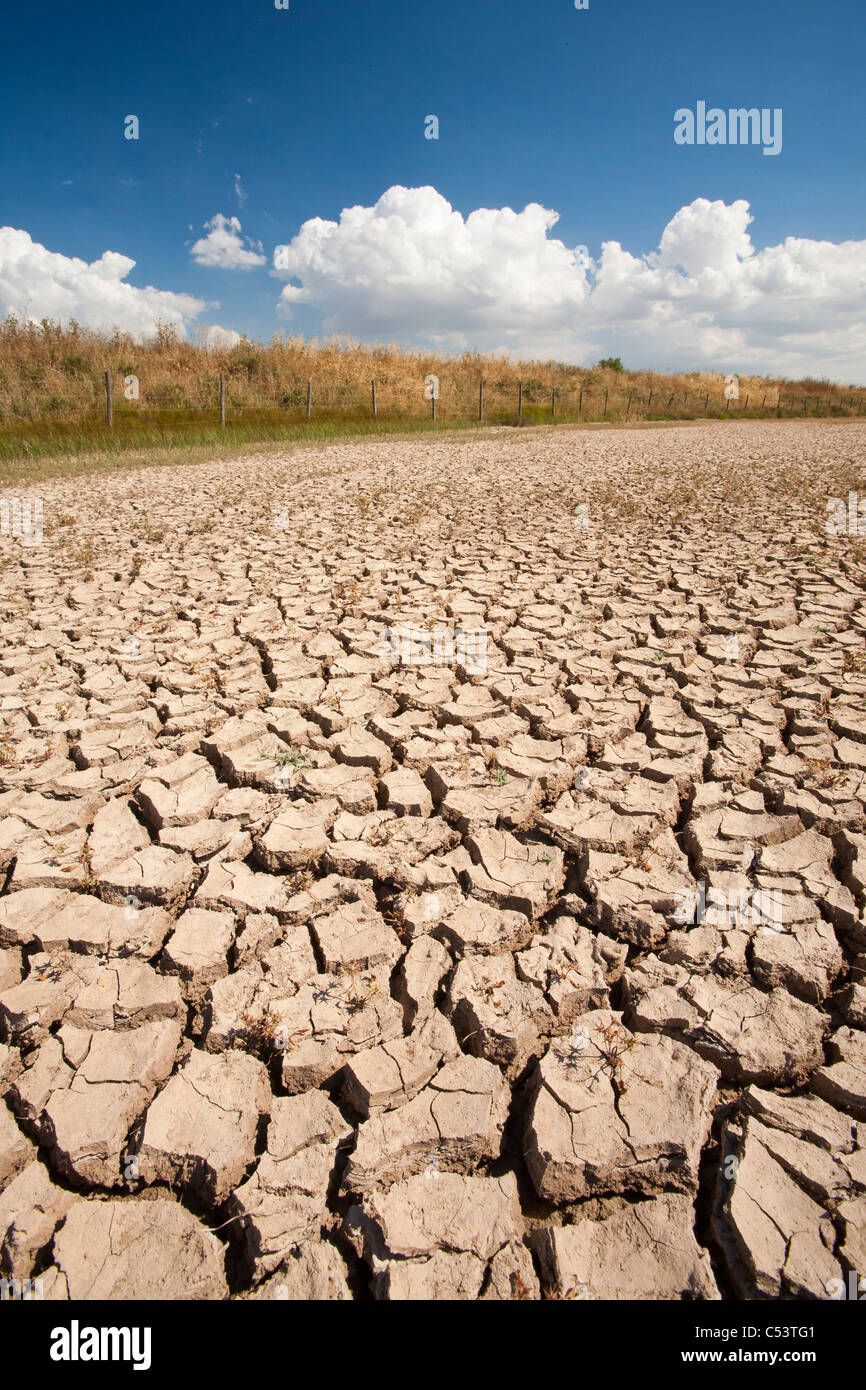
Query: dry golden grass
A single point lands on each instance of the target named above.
(46, 371)
(52, 396)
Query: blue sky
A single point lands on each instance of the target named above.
(322, 107)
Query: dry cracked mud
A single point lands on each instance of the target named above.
(336, 964)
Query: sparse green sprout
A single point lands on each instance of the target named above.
(296, 759)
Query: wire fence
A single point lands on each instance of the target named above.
(224, 398)
(490, 400)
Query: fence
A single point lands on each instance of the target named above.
(533, 401)
(229, 398)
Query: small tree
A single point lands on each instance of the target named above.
(615, 363)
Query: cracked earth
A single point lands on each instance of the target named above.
(329, 974)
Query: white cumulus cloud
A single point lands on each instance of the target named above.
(213, 336)
(497, 280)
(413, 265)
(36, 283)
(224, 247)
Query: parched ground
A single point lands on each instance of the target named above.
(333, 966)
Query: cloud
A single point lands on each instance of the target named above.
(36, 283)
(223, 247)
(213, 336)
(239, 192)
(412, 267)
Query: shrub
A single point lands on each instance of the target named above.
(248, 364)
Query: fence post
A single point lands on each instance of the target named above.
(762, 402)
(604, 412)
(222, 400)
(109, 408)
(671, 401)
(309, 396)
(373, 385)
(686, 401)
(650, 402)
(706, 402)
(746, 406)
(520, 400)
(433, 407)
(553, 402)
(480, 402)
(580, 401)
(628, 407)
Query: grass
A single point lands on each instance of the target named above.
(80, 450)
(48, 439)
(81, 454)
(260, 1035)
(52, 395)
(296, 759)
